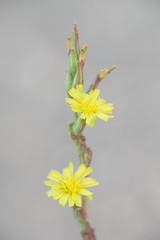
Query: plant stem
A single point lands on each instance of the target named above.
(84, 203)
(80, 214)
(84, 199)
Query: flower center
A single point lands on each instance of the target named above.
(89, 107)
(71, 185)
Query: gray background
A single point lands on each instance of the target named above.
(33, 139)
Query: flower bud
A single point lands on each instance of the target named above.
(72, 62)
(77, 125)
(68, 43)
(75, 42)
(87, 154)
(83, 139)
(69, 81)
(82, 54)
(103, 72)
(78, 79)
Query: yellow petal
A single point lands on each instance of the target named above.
(74, 196)
(85, 192)
(55, 176)
(71, 101)
(70, 201)
(75, 106)
(52, 192)
(68, 171)
(100, 101)
(92, 120)
(57, 186)
(80, 170)
(88, 182)
(88, 120)
(75, 94)
(83, 171)
(94, 94)
(78, 200)
(103, 116)
(87, 171)
(58, 195)
(90, 197)
(83, 116)
(79, 87)
(63, 199)
(49, 183)
(105, 108)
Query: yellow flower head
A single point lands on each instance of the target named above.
(89, 105)
(67, 186)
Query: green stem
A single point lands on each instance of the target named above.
(87, 232)
(84, 153)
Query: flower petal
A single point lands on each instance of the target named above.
(85, 192)
(58, 195)
(63, 199)
(49, 183)
(88, 182)
(94, 94)
(79, 87)
(92, 120)
(75, 94)
(85, 173)
(105, 108)
(90, 197)
(71, 101)
(75, 106)
(83, 116)
(70, 201)
(104, 116)
(88, 120)
(78, 201)
(57, 186)
(55, 176)
(79, 171)
(68, 171)
(52, 192)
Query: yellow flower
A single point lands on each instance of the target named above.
(67, 186)
(89, 105)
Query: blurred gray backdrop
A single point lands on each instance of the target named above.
(33, 139)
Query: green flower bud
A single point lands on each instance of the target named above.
(77, 126)
(69, 81)
(72, 62)
(78, 79)
(75, 43)
(87, 156)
